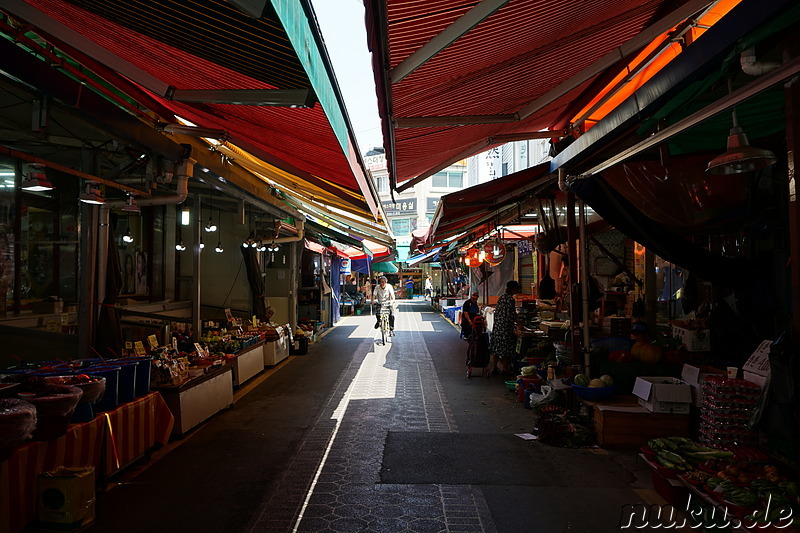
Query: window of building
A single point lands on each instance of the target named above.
(44, 226)
(382, 184)
(448, 179)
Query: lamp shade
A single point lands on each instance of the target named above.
(740, 157)
(92, 196)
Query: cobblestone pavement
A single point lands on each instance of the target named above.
(334, 483)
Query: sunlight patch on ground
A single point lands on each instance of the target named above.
(372, 381)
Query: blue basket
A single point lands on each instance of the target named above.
(613, 344)
(593, 394)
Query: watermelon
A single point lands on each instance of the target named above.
(582, 380)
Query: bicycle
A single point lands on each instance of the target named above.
(383, 320)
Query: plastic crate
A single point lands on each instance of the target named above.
(613, 344)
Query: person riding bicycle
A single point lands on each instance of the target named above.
(383, 294)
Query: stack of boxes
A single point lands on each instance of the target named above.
(725, 411)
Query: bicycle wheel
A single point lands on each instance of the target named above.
(383, 331)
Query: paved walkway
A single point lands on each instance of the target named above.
(356, 436)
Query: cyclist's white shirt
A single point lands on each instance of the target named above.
(382, 295)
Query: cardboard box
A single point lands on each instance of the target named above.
(694, 376)
(757, 368)
(663, 394)
(631, 425)
(48, 308)
(695, 340)
(66, 498)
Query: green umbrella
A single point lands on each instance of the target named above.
(388, 267)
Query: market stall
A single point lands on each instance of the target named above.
(108, 443)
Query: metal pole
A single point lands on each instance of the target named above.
(584, 257)
(792, 95)
(572, 253)
(197, 323)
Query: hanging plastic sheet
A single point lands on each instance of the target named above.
(656, 236)
(680, 194)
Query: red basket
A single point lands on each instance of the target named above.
(648, 452)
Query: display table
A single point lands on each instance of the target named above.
(248, 363)
(277, 350)
(198, 399)
(621, 422)
(109, 442)
(453, 314)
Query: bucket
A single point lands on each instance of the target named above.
(299, 346)
(110, 398)
(528, 393)
(145, 363)
(525, 383)
(84, 412)
(127, 380)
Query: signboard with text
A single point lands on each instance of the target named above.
(431, 204)
(400, 207)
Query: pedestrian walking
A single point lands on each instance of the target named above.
(503, 340)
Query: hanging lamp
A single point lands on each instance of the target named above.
(740, 157)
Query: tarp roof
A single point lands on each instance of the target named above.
(183, 58)
(456, 77)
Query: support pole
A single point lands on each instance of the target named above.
(792, 95)
(584, 257)
(574, 298)
(197, 323)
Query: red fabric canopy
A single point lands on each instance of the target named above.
(297, 140)
(508, 61)
(469, 209)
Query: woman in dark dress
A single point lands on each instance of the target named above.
(469, 311)
(503, 342)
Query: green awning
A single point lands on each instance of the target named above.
(387, 267)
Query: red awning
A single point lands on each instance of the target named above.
(314, 247)
(487, 204)
(517, 71)
(201, 47)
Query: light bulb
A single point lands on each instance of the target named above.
(254, 244)
(185, 216)
(202, 245)
(218, 249)
(244, 244)
(127, 237)
(211, 227)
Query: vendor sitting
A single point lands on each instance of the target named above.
(469, 311)
(269, 314)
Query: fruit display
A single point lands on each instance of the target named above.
(735, 478)
(681, 453)
(646, 352)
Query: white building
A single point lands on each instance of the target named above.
(414, 208)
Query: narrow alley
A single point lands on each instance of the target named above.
(356, 436)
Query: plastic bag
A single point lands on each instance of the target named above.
(547, 395)
(17, 423)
